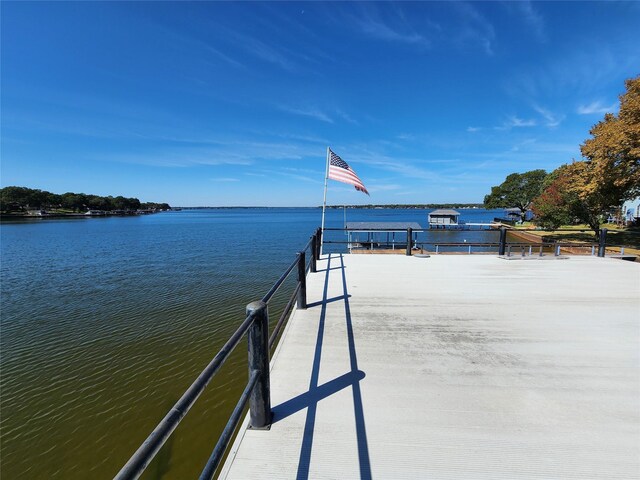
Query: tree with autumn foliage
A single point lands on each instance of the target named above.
(552, 208)
(613, 152)
(610, 174)
(563, 202)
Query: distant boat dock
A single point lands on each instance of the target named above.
(442, 366)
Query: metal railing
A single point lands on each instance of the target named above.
(257, 390)
(503, 247)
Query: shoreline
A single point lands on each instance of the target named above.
(26, 216)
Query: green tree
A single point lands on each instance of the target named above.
(518, 190)
(14, 198)
(74, 201)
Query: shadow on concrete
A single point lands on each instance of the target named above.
(324, 302)
(316, 393)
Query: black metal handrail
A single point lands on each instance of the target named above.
(257, 390)
(600, 247)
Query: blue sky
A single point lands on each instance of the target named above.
(235, 103)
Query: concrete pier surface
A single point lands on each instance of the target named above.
(454, 367)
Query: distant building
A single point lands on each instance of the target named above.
(631, 210)
(443, 218)
(515, 214)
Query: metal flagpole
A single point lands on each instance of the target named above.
(324, 201)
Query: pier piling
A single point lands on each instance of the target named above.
(302, 280)
(258, 341)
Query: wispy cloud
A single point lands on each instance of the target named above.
(225, 179)
(300, 174)
(577, 72)
(517, 122)
(390, 25)
(475, 29)
(305, 178)
(405, 167)
(307, 112)
(324, 115)
(473, 129)
(345, 116)
(531, 17)
(406, 136)
(377, 29)
(213, 152)
(597, 107)
(377, 187)
(551, 119)
(184, 42)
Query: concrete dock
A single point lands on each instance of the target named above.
(454, 367)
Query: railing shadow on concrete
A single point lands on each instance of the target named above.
(316, 393)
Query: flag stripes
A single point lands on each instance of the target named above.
(339, 170)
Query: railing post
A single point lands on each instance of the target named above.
(503, 241)
(258, 341)
(318, 242)
(313, 253)
(409, 240)
(557, 251)
(602, 242)
(302, 280)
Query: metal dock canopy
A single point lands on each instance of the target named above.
(427, 371)
(444, 217)
(387, 226)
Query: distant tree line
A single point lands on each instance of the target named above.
(584, 191)
(414, 205)
(22, 198)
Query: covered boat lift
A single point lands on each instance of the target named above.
(373, 228)
(443, 218)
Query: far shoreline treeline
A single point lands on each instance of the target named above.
(408, 206)
(22, 200)
(420, 206)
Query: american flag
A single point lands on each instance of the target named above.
(339, 170)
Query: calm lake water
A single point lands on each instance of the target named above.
(106, 321)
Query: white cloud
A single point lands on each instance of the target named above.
(346, 116)
(597, 107)
(390, 25)
(475, 29)
(406, 136)
(382, 31)
(473, 129)
(531, 17)
(551, 119)
(383, 187)
(516, 122)
(307, 112)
